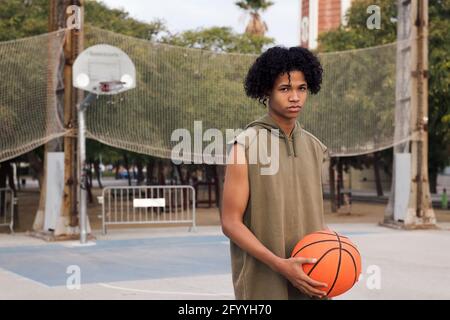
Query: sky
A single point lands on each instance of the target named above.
(180, 15)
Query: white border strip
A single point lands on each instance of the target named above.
(149, 203)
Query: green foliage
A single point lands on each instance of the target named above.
(24, 120)
(19, 20)
(357, 35)
(219, 39)
(175, 87)
(356, 101)
(439, 86)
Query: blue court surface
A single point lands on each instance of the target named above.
(176, 264)
(121, 260)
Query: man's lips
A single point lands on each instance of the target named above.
(294, 108)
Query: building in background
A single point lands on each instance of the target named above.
(318, 16)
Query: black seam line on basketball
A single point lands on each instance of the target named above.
(320, 242)
(320, 259)
(339, 264)
(330, 234)
(354, 264)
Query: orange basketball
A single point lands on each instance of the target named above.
(338, 260)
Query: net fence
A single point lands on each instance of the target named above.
(28, 102)
(194, 90)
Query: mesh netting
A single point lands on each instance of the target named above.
(353, 114)
(28, 113)
(175, 87)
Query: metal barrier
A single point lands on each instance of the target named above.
(148, 205)
(7, 208)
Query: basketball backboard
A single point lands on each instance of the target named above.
(104, 70)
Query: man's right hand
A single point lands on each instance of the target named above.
(292, 269)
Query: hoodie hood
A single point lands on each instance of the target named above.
(268, 123)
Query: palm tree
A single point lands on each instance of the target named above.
(256, 26)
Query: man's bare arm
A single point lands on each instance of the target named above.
(235, 197)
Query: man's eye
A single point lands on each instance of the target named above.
(303, 89)
(284, 89)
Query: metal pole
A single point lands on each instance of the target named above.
(194, 224)
(82, 164)
(82, 180)
(100, 167)
(420, 108)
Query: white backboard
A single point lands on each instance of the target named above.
(104, 69)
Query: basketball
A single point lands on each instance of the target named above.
(338, 260)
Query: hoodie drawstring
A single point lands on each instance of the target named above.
(293, 145)
(288, 145)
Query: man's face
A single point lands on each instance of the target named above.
(288, 97)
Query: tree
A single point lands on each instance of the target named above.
(218, 39)
(255, 26)
(356, 35)
(19, 19)
(439, 90)
(22, 20)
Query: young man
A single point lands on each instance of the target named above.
(266, 215)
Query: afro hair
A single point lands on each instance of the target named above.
(277, 61)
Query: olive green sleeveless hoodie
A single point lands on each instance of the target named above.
(282, 209)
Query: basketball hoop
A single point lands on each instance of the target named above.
(108, 87)
(100, 70)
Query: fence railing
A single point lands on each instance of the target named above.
(148, 205)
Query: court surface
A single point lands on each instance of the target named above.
(172, 263)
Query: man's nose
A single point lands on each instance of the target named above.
(294, 96)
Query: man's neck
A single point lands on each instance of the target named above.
(287, 125)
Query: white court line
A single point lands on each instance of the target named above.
(23, 278)
(166, 292)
